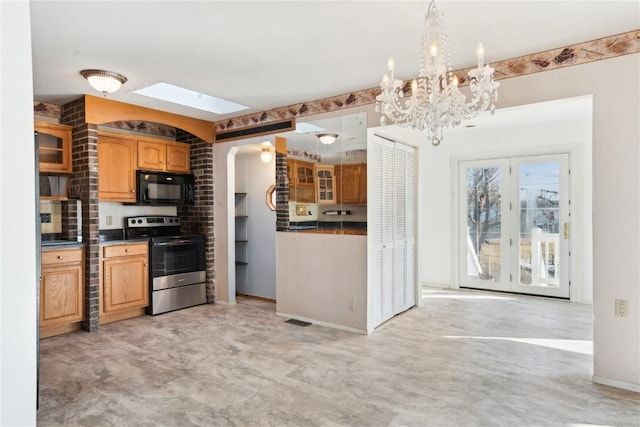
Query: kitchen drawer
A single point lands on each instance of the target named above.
(62, 256)
(125, 250)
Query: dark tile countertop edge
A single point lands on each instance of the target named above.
(123, 241)
(57, 244)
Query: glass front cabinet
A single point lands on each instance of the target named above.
(54, 147)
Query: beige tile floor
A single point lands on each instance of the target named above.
(467, 358)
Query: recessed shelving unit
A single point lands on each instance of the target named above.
(241, 240)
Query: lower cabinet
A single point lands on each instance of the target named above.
(61, 291)
(124, 291)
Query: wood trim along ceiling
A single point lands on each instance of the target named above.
(100, 110)
(578, 54)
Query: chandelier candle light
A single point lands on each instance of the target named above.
(436, 102)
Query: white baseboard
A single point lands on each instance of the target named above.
(436, 285)
(220, 302)
(615, 383)
(321, 323)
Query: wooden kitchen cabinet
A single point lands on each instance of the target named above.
(54, 147)
(61, 291)
(124, 290)
(164, 156)
(301, 172)
(352, 183)
(325, 184)
(301, 181)
(116, 168)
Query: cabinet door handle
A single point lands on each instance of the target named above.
(126, 250)
(133, 191)
(170, 163)
(60, 257)
(161, 162)
(146, 265)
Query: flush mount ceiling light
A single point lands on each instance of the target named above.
(436, 102)
(327, 138)
(266, 154)
(104, 81)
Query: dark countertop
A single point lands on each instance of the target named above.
(57, 244)
(109, 242)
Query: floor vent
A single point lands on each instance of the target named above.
(297, 322)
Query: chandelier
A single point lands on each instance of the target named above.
(436, 102)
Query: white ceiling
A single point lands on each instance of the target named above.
(268, 54)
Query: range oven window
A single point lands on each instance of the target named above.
(177, 256)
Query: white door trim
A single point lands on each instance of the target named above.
(581, 241)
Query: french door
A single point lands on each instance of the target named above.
(514, 224)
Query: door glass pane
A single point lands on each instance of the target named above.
(483, 223)
(539, 223)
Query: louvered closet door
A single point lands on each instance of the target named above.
(391, 229)
(404, 229)
(380, 230)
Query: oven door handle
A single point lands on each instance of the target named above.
(174, 243)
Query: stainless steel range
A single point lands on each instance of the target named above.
(177, 271)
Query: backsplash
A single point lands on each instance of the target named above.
(50, 211)
(358, 213)
(115, 213)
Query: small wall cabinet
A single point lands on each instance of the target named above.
(325, 184)
(301, 181)
(164, 156)
(61, 291)
(54, 147)
(125, 281)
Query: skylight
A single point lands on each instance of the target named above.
(178, 95)
(304, 127)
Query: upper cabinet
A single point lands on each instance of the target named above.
(352, 183)
(116, 169)
(302, 173)
(301, 180)
(163, 156)
(54, 147)
(119, 156)
(325, 184)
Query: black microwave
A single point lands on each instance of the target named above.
(168, 189)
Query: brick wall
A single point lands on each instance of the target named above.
(282, 193)
(85, 180)
(69, 220)
(198, 219)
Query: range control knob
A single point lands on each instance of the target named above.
(139, 221)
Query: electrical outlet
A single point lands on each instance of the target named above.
(622, 308)
(352, 304)
(109, 219)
